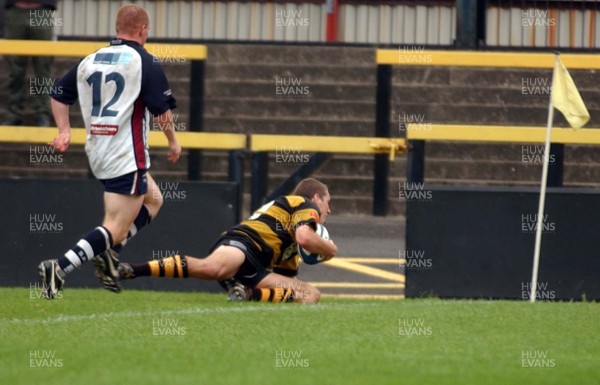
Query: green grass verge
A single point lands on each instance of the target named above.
(95, 337)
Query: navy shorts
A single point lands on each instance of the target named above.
(134, 183)
(251, 272)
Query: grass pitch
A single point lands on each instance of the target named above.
(95, 337)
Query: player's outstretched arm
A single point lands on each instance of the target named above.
(165, 122)
(60, 111)
(309, 240)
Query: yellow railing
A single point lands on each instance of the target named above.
(505, 134)
(331, 144)
(417, 57)
(83, 48)
(189, 140)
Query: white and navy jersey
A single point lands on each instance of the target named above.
(118, 87)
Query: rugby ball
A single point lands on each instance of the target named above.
(311, 258)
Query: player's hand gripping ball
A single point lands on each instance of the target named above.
(313, 258)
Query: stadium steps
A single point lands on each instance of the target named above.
(290, 107)
(260, 90)
(310, 125)
(226, 72)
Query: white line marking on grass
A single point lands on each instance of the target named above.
(194, 310)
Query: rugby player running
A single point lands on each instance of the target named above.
(118, 87)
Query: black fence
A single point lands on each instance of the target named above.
(44, 218)
(479, 243)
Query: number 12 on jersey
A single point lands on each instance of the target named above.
(95, 80)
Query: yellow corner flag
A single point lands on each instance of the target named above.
(566, 98)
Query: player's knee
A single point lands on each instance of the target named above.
(315, 296)
(311, 295)
(206, 269)
(117, 232)
(213, 271)
(154, 201)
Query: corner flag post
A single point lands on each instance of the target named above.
(540, 218)
(566, 98)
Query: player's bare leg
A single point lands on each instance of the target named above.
(129, 216)
(223, 263)
(279, 288)
(120, 211)
(153, 199)
(149, 205)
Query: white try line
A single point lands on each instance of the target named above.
(189, 311)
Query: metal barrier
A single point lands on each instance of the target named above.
(502, 134)
(189, 140)
(83, 48)
(399, 57)
(416, 136)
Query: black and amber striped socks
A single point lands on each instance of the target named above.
(172, 267)
(276, 295)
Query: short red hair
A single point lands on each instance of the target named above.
(130, 19)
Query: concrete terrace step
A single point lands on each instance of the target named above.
(582, 154)
(456, 172)
(310, 74)
(493, 77)
(491, 96)
(491, 170)
(308, 125)
(272, 92)
(481, 114)
(298, 107)
(472, 77)
(481, 152)
(582, 174)
(502, 183)
(479, 182)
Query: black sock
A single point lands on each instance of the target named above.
(93, 243)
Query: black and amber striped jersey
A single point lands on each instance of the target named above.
(289, 266)
(272, 228)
